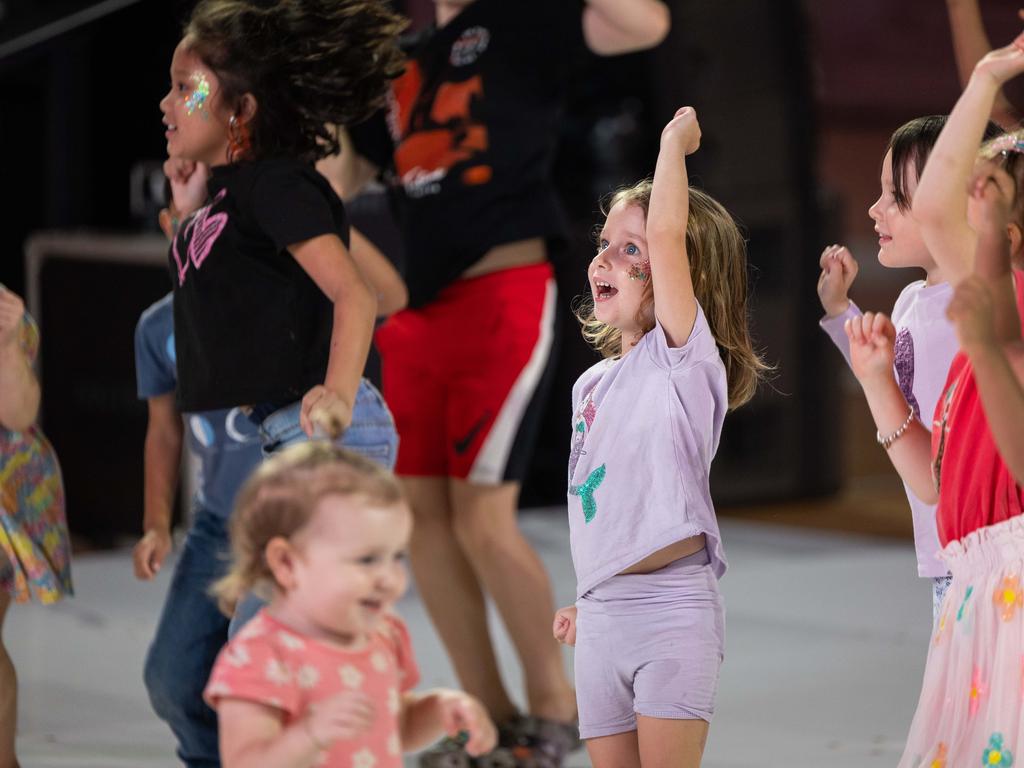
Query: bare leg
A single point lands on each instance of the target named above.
(484, 518)
(452, 594)
(621, 750)
(8, 696)
(671, 743)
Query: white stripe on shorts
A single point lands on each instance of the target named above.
(489, 467)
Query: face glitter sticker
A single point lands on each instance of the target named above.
(640, 271)
(200, 93)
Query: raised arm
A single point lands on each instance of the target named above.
(970, 44)
(872, 337)
(612, 27)
(940, 202)
(675, 304)
(19, 388)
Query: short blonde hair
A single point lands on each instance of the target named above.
(279, 499)
(718, 266)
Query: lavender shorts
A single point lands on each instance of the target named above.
(649, 644)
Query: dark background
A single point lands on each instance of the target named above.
(796, 101)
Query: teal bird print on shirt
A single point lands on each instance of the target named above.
(586, 492)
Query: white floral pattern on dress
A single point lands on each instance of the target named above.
(351, 677)
(218, 689)
(307, 677)
(277, 672)
(237, 655)
(394, 744)
(364, 758)
(379, 662)
(394, 701)
(290, 641)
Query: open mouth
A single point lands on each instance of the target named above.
(372, 605)
(604, 290)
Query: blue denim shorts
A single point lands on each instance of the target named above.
(371, 433)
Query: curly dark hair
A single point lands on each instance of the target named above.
(309, 64)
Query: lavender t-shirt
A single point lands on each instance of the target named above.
(644, 431)
(925, 346)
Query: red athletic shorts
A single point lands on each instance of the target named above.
(465, 375)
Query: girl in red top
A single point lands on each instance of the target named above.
(971, 708)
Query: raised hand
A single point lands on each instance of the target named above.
(1003, 64)
(970, 311)
(872, 340)
(188, 184)
(838, 271)
(564, 627)
(682, 133)
(344, 716)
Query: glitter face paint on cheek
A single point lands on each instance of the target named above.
(196, 102)
(640, 271)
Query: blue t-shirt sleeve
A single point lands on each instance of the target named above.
(155, 369)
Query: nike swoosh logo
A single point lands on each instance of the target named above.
(461, 446)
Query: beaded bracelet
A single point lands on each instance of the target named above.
(886, 442)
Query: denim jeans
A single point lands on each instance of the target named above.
(191, 632)
(372, 434)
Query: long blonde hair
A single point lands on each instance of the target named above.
(718, 268)
(279, 499)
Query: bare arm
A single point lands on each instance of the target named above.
(970, 44)
(19, 388)
(326, 260)
(253, 736)
(674, 301)
(162, 465)
(871, 352)
(426, 715)
(612, 27)
(391, 292)
(940, 202)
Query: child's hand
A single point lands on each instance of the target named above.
(682, 134)
(461, 712)
(341, 717)
(992, 191)
(325, 409)
(565, 625)
(970, 310)
(872, 339)
(838, 271)
(188, 184)
(12, 310)
(1003, 64)
(151, 551)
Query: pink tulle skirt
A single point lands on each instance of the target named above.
(971, 710)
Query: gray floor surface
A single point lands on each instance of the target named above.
(826, 641)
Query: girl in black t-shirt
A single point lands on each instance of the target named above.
(271, 311)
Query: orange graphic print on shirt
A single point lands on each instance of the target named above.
(437, 131)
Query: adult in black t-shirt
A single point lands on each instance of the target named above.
(467, 142)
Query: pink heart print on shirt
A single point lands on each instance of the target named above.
(201, 232)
